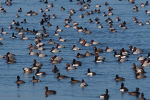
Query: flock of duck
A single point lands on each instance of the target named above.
(40, 36)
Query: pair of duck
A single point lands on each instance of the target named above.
(21, 81)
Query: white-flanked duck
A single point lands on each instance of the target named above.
(105, 96)
(83, 84)
(89, 73)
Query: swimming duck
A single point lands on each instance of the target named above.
(139, 76)
(80, 55)
(108, 49)
(40, 48)
(41, 10)
(51, 42)
(20, 9)
(38, 73)
(28, 70)
(70, 67)
(10, 27)
(88, 53)
(83, 84)
(31, 47)
(74, 81)
(135, 92)
(104, 14)
(53, 50)
(140, 58)
(81, 16)
(35, 80)
(36, 64)
(61, 39)
(19, 81)
(49, 91)
(90, 73)
(100, 26)
(17, 16)
(46, 9)
(55, 70)
(105, 96)
(75, 48)
(61, 76)
(97, 50)
(76, 63)
(1, 39)
(123, 89)
(42, 55)
(86, 43)
(51, 5)
(24, 38)
(86, 31)
(62, 8)
(119, 78)
(48, 24)
(54, 16)
(118, 19)
(110, 13)
(99, 58)
(97, 5)
(33, 53)
(139, 70)
(60, 46)
(2, 31)
(142, 97)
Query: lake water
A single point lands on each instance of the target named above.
(135, 35)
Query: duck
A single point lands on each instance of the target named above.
(79, 29)
(70, 67)
(100, 26)
(108, 49)
(110, 13)
(86, 31)
(38, 73)
(83, 84)
(42, 55)
(61, 76)
(61, 39)
(81, 16)
(51, 42)
(123, 89)
(88, 53)
(98, 50)
(54, 16)
(86, 43)
(9, 61)
(97, 5)
(20, 9)
(80, 55)
(142, 97)
(104, 14)
(28, 30)
(135, 92)
(75, 48)
(139, 70)
(118, 19)
(41, 10)
(36, 64)
(33, 53)
(53, 50)
(24, 38)
(35, 80)
(49, 91)
(17, 16)
(67, 26)
(139, 76)
(20, 33)
(90, 73)
(119, 78)
(51, 5)
(48, 24)
(74, 81)
(62, 8)
(121, 59)
(46, 9)
(10, 27)
(99, 58)
(124, 52)
(140, 58)
(93, 42)
(2, 31)
(140, 24)
(76, 63)
(19, 81)
(137, 50)
(55, 69)
(105, 96)
(60, 46)
(40, 48)
(31, 47)
(1, 39)
(56, 34)
(28, 70)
